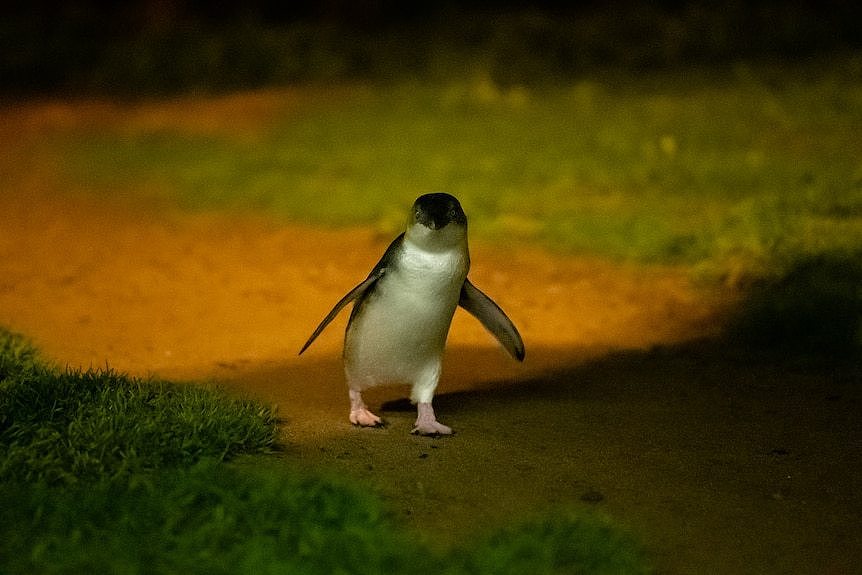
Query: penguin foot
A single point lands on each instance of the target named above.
(432, 428)
(427, 424)
(364, 418)
(359, 414)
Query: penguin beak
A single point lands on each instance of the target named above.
(436, 220)
(432, 221)
(438, 224)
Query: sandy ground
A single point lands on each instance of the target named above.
(720, 464)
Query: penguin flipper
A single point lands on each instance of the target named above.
(493, 318)
(353, 294)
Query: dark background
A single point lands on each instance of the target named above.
(166, 46)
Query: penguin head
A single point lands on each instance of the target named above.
(437, 220)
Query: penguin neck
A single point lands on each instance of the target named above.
(451, 239)
(431, 250)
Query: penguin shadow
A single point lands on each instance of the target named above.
(709, 378)
(553, 382)
(473, 379)
(478, 380)
(676, 388)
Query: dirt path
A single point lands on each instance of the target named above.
(719, 466)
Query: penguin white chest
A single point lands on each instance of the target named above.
(399, 332)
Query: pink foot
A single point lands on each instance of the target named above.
(359, 414)
(364, 418)
(427, 424)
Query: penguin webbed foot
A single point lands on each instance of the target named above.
(435, 428)
(359, 413)
(427, 424)
(364, 418)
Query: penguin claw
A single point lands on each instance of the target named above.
(364, 418)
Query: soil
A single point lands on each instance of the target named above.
(627, 405)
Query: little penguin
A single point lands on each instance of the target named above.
(403, 309)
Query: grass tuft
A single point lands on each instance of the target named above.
(562, 542)
(208, 518)
(83, 426)
(103, 473)
(17, 356)
(812, 311)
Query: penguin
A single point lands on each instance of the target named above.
(403, 310)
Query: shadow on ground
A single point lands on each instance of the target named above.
(721, 460)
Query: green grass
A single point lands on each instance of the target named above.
(813, 312)
(18, 359)
(87, 426)
(736, 172)
(102, 473)
(72, 426)
(205, 519)
(248, 519)
(558, 543)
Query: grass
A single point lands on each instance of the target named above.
(558, 543)
(208, 518)
(813, 312)
(63, 427)
(737, 172)
(86, 426)
(103, 473)
(220, 519)
(18, 359)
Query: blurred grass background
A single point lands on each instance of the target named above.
(719, 136)
(736, 172)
